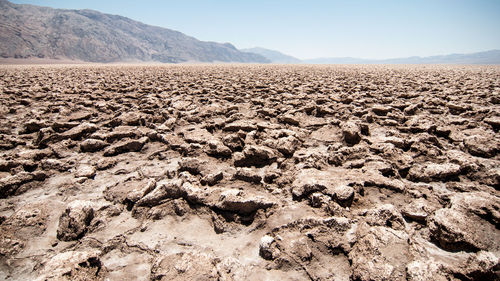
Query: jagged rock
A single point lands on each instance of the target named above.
(233, 141)
(92, 145)
(242, 125)
(290, 119)
(417, 210)
(386, 215)
(74, 265)
(351, 133)
(54, 164)
(469, 224)
(185, 266)
(383, 182)
(124, 146)
(287, 145)
(237, 201)
(79, 131)
(482, 146)
(381, 110)
(191, 165)
(329, 183)
(491, 177)
(36, 154)
(201, 136)
(254, 156)
(33, 126)
(494, 121)
(212, 179)
(74, 222)
(175, 207)
(132, 119)
(305, 242)
(266, 250)
(10, 184)
(480, 266)
(163, 190)
(407, 191)
(86, 171)
(119, 133)
(64, 125)
(247, 174)
(342, 194)
(381, 253)
(425, 270)
(433, 172)
(217, 149)
(129, 191)
(457, 231)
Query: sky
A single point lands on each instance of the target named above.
(374, 29)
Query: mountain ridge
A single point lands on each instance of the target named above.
(29, 31)
(485, 57)
(272, 55)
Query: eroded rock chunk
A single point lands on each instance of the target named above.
(330, 183)
(418, 210)
(288, 145)
(86, 171)
(254, 155)
(201, 136)
(266, 250)
(191, 165)
(240, 125)
(351, 133)
(386, 215)
(9, 185)
(92, 145)
(75, 220)
(247, 174)
(237, 201)
(482, 146)
(185, 266)
(127, 145)
(381, 253)
(470, 224)
(33, 126)
(212, 178)
(163, 190)
(74, 265)
(79, 131)
(217, 149)
(433, 172)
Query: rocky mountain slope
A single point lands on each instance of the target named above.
(272, 55)
(31, 31)
(243, 172)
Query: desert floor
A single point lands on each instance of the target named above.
(249, 172)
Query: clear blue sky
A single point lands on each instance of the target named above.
(317, 28)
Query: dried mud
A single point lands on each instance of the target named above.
(235, 172)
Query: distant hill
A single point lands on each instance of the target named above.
(487, 57)
(273, 56)
(28, 31)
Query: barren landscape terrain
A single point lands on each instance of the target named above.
(249, 172)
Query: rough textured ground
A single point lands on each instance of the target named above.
(249, 173)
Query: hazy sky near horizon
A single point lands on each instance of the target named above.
(320, 28)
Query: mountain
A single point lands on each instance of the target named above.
(273, 56)
(487, 57)
(28, 31)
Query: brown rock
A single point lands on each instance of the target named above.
(351, 133)
(124, 146)
(74, 222)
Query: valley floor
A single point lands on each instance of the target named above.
(249, 172)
